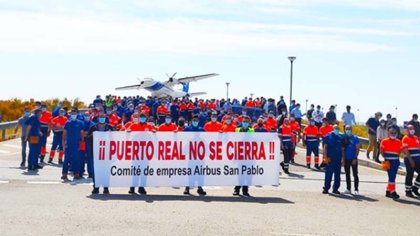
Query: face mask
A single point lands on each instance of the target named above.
(244, 113)
(284, 113)
(136, 112)
(102, 120)
(26, 114)
(195, 123)
(393, 137)
(168, 120)
(292, 119)
(415, 119)
(43, 109)
(62, 114)
(213, 119)
(348, 132)
(271, 116)
(382, 124)
(73, 117)
(228, 121)
(336, 131)
(142, 119)
(394, 123)
(87, 118)
(59, 105)
(131, 109)
(312, 123)
(136, 120)
(151, 123)
(412, 131)
(245, 125)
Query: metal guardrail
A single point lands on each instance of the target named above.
(7, 125)
(363, 141)
(12, 124)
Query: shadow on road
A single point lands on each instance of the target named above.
(407, 202)
(30, 173)
(358, 198)
(293, 175)
(164, 198)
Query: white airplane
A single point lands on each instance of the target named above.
(165, 89)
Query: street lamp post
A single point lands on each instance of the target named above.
(306, 105)
(396, 112)
(227, 90)
(252, 95)
(291, 59)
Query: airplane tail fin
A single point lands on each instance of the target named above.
(186, 87)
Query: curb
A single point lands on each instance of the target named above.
(366, 163)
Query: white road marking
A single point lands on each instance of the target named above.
(4, 152)
(43, 182)
(292, 234)
(4, 181)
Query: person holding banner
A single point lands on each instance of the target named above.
(260, 127)
(229, 125)
(194, 127)
(286, 144)
(101, 126)
(85, 154)
(168, 126)
(140, 124)
(213, 125)
(245, 128)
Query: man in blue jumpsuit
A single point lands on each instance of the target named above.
(101, 126)
(194, 127)
(73, 131)
(333, 154)
(33, 134)
(87, 154)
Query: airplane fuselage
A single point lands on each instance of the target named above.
(159, 90)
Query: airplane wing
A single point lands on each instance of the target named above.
(196, 94)
(195, 78)
(138, 86)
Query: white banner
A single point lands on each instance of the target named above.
(132, 159)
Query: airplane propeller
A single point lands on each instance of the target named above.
(171, 78)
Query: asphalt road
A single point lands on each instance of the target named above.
(40, 204)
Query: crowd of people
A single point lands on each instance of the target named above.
(73, 130)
